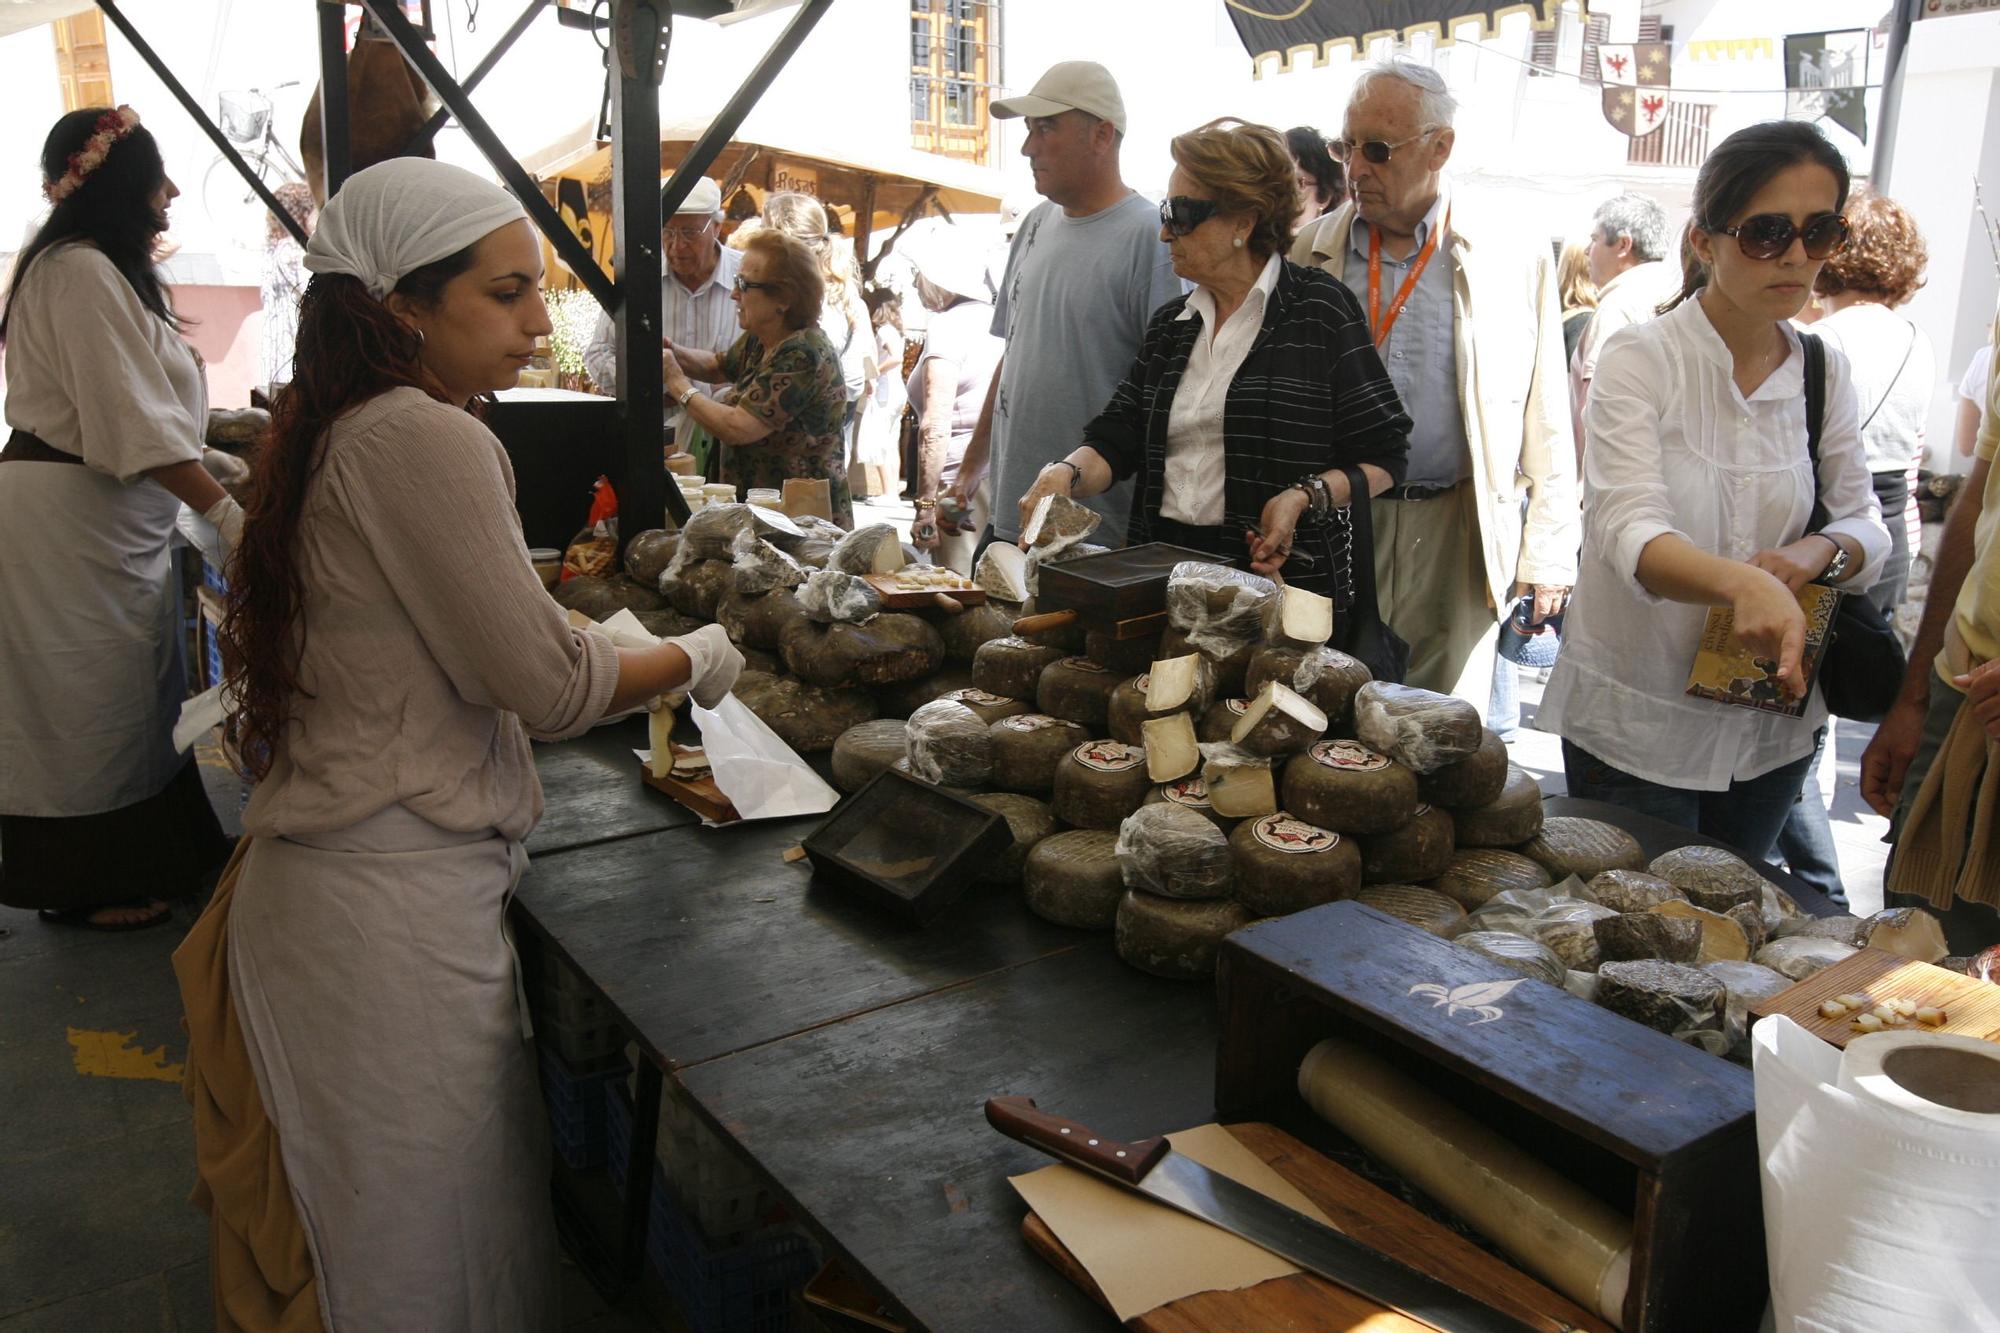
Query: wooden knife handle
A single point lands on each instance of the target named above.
(1048, 620)
(947, 603)
(1017, 1118)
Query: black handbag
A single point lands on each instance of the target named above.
(1361, 634)
(1862, 669)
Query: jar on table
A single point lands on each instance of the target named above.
(765, 497)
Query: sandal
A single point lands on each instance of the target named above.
(80, 917)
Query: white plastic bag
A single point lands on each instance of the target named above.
(763, 777)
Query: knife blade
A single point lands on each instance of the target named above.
(1150, 1167)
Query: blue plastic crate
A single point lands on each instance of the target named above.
(211, 577)
(212, 649)
(743, 1288)
(576, 1102)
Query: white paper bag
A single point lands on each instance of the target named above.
(1881, 1210)
(763, 777)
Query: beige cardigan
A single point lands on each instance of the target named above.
(1513, 392)
(431, 650)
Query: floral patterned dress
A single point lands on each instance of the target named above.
(799, 392)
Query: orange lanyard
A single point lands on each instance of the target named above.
(1385, 321)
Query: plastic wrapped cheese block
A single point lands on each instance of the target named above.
(810, 543)
(1568, 931)
(1285, 865)
(1076, 688)
(1175, 937)
(1475, 874)
(1072, 878)
(1278, 721)
(1217, 607)
(1512, 909)
(806, 717)
(1668, 997)
(1421, 730)
(1568, 845)
(1631, 890)
(1474, 780)
(1229, 667)
(1743, 984)
(1011, 667)
(891, 647)
(1907, 932)
(1174, 851)
(1777, 906)
(990, 707)
(1709, 876)
(964, 633)
(1417, 852)
(1327, 676)
(1751, 922)
(602, 598)
(864, 750)
(1100, 783)
(1723, 938)
(1349, 788)
(1027, 747)
(1800, 956)
(760, 567)
(833, 596)
(710, 532)
(1631, 935)
(1426, 909)
(1029, 821)
(1510, 819)
(874, 549)
(949, 745)
(1517, 953)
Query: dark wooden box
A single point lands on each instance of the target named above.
(1654, 1127)
(1116, 585)
(906, 846)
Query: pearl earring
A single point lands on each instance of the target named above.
(1238, 242)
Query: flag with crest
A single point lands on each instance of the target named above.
(1636, 76)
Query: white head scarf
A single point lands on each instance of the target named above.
(399, 215)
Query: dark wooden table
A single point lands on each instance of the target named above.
(848, 1055)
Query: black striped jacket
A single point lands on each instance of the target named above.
(1311, 395)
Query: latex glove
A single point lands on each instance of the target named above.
(713, 662)
(227, 516)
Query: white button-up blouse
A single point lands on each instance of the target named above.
(1193, 492)
(1672, 446)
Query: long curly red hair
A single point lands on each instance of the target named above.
(350, 349)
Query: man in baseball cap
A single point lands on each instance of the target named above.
(695, 307)
(1085, 272)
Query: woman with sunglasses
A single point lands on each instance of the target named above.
(790, 401)
(1698, 490)
(1257, 399)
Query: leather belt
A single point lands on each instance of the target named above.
(25, 448)
(1419, 492)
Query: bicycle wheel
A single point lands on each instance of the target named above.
(235, 212)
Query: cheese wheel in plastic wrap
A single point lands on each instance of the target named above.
(1171, 850)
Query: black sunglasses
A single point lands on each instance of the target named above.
(1375, 150)
(1181, 215)
(745, 285)
(1768, 235)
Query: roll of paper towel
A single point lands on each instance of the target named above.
(1881, 1179)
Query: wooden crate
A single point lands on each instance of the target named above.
(1658, 1128)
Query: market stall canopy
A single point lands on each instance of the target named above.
(1276, 27)
(19, 15)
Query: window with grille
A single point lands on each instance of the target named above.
(954, 70)
(83, 64)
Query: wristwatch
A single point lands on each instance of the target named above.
(685, 394)
(1836, 567)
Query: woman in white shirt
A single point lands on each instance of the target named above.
(1697, 490)
(948, 385)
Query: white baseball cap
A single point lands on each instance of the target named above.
(705, 198)
(1073, 85)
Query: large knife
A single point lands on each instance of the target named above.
(1151, 1167)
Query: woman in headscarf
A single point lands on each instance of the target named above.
(101, 818)
(369, 1136)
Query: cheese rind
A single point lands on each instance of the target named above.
(1630, 890)
(1029, 821)
(1426, 909)
(1569, 845)
(1474, 780)
(1027, 747)
(1011, 667)
(1634, 935)
(1510, 819)
(1419, 851)
(1100, 783)
(1475, 874)
(1172, 937)
(1076, 688)
(1668, 997)
(1285, 865)
(1073, 879)
(1345, 786)
(1711, 877)
(865, 749)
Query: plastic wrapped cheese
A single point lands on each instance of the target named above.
(1743, 984)
(949, 745)
(711, 531)
(1710, 876)
(1567, 930)
(1422, 730)
(1668, 997)
(1174, 851)
(1512, 909)
(1800, 956)
(1517, 953)
(813, 542)
(830, 595)
(761, 567)
(1219, 609)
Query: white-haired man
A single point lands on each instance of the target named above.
(1628, 266)
(695, 305)
(1466, 318)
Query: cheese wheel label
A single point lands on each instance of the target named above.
(1109, 756)
(1349, 756)
(1282, 833)
(1190, 791)
(1032, 722)
(969, 696)
(1143, 681)
(1238, 706)
(1082, 664)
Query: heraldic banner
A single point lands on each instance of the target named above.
(1635, 76)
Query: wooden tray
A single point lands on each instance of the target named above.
(701, 796)
(956, 598)
(1303, 1300)
(1972, 1008)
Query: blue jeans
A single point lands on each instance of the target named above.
(1747, 816)
(1503, 706)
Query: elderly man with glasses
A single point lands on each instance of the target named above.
(696, 310)
(1467, 322)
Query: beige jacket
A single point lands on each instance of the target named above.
(1513, 389)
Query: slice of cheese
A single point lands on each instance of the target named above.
(660, 735)
(1170, 684)
(1240, 789)
(1278, 721)
(1171, 752)
(1297, 618)
(1003, 572)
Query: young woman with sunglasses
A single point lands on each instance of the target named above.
(1698, 488)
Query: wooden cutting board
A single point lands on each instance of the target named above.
(1303, 1300)
(895, 597)
(1972, 1008)
(700, 795)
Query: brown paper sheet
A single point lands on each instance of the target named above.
(1144, 1254)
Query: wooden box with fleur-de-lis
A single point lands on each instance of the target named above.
(1507, 1079)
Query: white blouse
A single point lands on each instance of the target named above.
(1672, 446)
(1194, 472)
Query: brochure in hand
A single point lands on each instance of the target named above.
(1727, 672)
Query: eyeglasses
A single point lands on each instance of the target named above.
(1375, 150)
(744, 284)
(1768, 235)
(1181, 215)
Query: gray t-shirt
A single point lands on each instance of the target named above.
(1893, 369)
(1073, 308)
